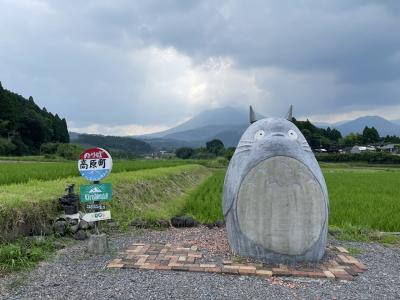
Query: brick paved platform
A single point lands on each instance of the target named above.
(342, 266)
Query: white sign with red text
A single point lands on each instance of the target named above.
(94, 164)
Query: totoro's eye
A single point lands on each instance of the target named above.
(292, 134)
(259, 134)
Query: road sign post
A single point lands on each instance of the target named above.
(95, 164)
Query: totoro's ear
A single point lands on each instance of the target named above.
(252, 116)
(289, 115)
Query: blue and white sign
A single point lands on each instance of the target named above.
(94, 164)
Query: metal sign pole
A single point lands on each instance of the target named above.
(96, 223)
(94, 164)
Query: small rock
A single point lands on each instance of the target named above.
(138, 223)
(91, 225)
(60, 227)
(113, 224)
(209, 225)
(72, 222)
(178, 222)
(183, 222)
(83, 225)
(73, 229)
(80, 235)
(190, 222)
(163, 223)
(220, 223)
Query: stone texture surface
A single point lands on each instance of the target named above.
(272, 180)
(277, 208)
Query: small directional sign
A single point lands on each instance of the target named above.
(96, 192)
(97, 216)
(97, 206)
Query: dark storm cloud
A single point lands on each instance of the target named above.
(354, 38)
(157, 62)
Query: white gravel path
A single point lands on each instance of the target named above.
(74, 274)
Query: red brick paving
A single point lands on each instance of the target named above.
(178, 258)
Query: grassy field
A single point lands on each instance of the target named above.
(204, 203)
(364, 196)
(23, 171)
(360, 197)
(28, 206)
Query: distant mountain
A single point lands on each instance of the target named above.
(231, 138)
(383, 126)
(226, 124)
(169, 144)
(219, 116)
(331, 125)
(396, 121)
(73, 136)
(322, 124)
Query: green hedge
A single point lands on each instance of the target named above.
(370, 157)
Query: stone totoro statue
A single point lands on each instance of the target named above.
(275, 197)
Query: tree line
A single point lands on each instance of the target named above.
(317, 138)
(25, 127)
(332, 139)
(214, 148)
(117, 143)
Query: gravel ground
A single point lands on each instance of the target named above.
(74, 274)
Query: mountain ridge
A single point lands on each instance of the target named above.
(228, 125)
(218, 116)
(357, 125)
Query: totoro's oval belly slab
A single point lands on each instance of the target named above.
(281, 206)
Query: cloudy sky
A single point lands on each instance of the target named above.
(132, 67)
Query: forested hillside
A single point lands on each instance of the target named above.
(318, 137)
(24, 126)
(116, 143)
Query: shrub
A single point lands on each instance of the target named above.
(184, 152)
(370, 157)
(215, 146)
(6, 147)
(69, 151)
(49, 148)
(229, 153)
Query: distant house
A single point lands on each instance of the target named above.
(359, 149)
(391, 148)
(346, 150)
(322, 150)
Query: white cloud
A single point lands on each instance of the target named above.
(122, 130)
(173, 79)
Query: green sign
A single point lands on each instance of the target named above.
(96, 192)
